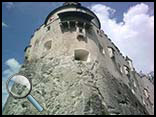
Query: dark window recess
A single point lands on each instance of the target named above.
(72, 25)
(26, 57)
(97, 31)
(81, 55)
(119, 92)
(80, 24)
(81, 37)
(64, 26)
(48, 28)
(80, 30)
(136, 104)
(81, 34)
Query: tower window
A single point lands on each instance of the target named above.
(97, 31)
(81, 55)
(80, 30)
(48, 28)
(47, 45)
(81, 34)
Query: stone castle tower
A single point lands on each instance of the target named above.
(76, 69)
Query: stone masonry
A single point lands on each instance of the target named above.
(75, 69)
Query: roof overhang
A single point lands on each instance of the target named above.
(71, 6)
(76, 14)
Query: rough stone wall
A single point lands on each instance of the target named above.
(65, 86)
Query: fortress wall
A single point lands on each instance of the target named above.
(58, 41)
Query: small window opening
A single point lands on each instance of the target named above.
(80, 37)
(48, 28)
(72, 26)
(64, 26)
(80, 24)
(81, 34)
(81, 55)
(47, 45)
(80, 30)
(26, 57)
(72, 23)
(97, 31)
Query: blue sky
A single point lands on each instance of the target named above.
(20, 19)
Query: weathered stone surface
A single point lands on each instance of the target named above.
(71, 87)
(97, 84)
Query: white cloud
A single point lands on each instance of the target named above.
(4, 24)
(9, 5)
(134, 35)
(13, 64)
(13, 67)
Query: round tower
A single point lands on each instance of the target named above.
(69, 30)
(63, 84)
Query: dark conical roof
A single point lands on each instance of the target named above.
(72, 3)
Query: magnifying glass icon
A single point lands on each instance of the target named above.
(19, 87)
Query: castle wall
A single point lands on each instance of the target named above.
(53, 40)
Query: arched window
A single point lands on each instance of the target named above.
(81, 55)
